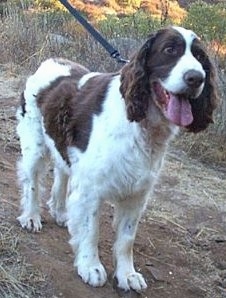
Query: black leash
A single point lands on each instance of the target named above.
(112, 51)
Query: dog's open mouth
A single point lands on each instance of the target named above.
(176, 107)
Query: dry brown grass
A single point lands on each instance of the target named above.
(18, 279)
(206, 147)
(99, 9)
(26, 39)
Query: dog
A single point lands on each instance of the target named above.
(107, 134)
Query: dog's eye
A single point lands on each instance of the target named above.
(170, 51)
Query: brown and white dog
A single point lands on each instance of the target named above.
(107, 135)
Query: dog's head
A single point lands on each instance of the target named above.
(174, 70)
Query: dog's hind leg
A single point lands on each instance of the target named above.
(83, 225)
(30, 170)
(57, 201)
(126, 220)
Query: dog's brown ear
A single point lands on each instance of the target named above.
(206, 103)
(135, 86)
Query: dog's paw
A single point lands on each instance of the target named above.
(31, 223)
(60, 217)
(94, 275)
(134, 281)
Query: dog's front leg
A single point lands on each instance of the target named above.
(126, 221)
(83, 225)
(57, 201)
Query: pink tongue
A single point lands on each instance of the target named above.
(179, 111)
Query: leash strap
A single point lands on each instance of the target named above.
(96, 34)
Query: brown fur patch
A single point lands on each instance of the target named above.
(68, 111)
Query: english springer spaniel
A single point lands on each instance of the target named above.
(107, 135)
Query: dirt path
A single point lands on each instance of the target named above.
(181, 242)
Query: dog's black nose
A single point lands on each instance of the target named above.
(193, 78)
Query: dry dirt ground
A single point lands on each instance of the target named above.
(181, 241)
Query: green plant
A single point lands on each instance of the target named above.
(208, 21)
(138, 25)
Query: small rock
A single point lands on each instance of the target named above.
(157, 274)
